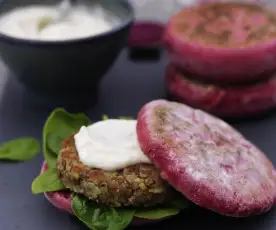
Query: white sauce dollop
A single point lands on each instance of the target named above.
(82, 21)
(109, 145)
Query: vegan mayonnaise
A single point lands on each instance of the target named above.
(81, 21)
(109, 145)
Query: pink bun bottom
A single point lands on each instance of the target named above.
(223, 101)
(62, 200)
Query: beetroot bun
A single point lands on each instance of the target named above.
(224, 101)
(62, 200)
(220, 41)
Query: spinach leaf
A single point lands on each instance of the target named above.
(181, 203)
(44, 22)
(20, 149)
(52, 146)
(105, 117)
(126, 118)
(156, 213)
(176, 205)
(50, 157)
(47, 182)
(59, 125)
(53, 141)
(100, 217)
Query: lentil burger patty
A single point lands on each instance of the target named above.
(137, 186)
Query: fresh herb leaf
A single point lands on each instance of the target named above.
(54, 142)
(156, 213)
(20, 149)
(47, 182)
(49, 156)
(44, 22)
(105, 117)
(181, 203)
(126, 118)
(100, 217)
(61, 124)
(178, 203)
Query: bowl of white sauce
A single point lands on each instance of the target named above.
(55, 51)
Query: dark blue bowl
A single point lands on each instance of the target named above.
(65, 67)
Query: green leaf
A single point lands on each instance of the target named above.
(181, 203)
(156, 213)
(20, 149)
(59, 125)
(50, 157)
(100, 217)
(105, 117)
(178, 203)
(44, 22)
(47, 182)
(53, 141)
(126, 118)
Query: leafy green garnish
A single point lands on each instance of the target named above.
(47, 182)
(180, 203)
(20, 149)
(177, 204)
(156, 213)
(126, 118)
(44, 22)
(59, 125)
(97, 216)
(53, 142)
(105, 117)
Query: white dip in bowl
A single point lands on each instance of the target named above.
(82, 21)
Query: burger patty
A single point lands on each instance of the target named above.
(135, 186)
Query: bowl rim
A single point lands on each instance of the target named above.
(82, 40)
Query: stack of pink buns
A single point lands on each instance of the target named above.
(223, 58)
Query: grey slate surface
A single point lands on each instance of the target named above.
(123, 91)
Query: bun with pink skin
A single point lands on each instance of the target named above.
(207, 160)
(221, 41)
(224, 101)
(62, 200)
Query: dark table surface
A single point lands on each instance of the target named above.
(123, 91)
